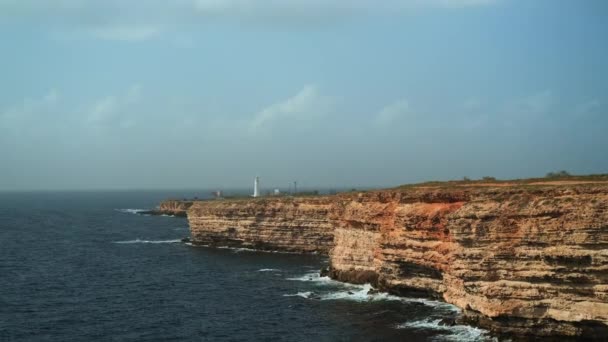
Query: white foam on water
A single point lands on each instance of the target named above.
(360, 293)
(131, 211)
(244, 249)
(432, 303)
(306, 294)
(315, 277)
(269, 270)
(148, 241)
(451, 333)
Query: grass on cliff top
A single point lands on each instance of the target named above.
(556, 178)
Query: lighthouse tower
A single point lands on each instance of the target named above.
(256, 187)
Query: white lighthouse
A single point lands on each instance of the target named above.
(256, 186)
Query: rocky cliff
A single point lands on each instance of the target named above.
(172, 207)
(518, 259)
(289, 224)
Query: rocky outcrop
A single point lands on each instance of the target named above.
(526, 260)
(172, 208)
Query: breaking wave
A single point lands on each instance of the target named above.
(432, 303)
(242, 249)
(450, 332)
(358, 293)
(315, 277)
(148, 241)
(306, 294)
(269, 270)
(132, 211)
(364, 293)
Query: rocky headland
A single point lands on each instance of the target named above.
(526, 259)
(171, 208)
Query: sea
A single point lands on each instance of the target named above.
(89, 266)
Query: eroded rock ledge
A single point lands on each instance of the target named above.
(172, 208)
(527, 260)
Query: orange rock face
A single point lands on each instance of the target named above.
(292, 225)
(524, 260)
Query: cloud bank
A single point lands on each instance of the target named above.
(139, 20)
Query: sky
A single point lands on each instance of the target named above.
(207, 94)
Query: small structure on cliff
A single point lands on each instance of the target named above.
(256, 185)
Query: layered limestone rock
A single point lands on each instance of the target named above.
(291, 225)
(518, 259)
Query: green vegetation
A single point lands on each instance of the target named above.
(558, 174)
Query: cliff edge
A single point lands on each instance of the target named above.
(522, 259)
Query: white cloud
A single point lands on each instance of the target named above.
(114, 110)
(102, 110)
(392, 112)
(301, 6)
(142, 20)
(306, 104)
(133, 93)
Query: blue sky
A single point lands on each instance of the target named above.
(209, 93)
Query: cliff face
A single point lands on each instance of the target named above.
(520, 261)
(293, 225)
(526, 260)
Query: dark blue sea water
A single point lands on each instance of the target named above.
(77, 266)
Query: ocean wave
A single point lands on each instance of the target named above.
(132, 211)
(450, 332)
(432, 303)
(148, 241)
(244, 249)
(269, 270)
(305, 294)
(361, 293)
(315, 277)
